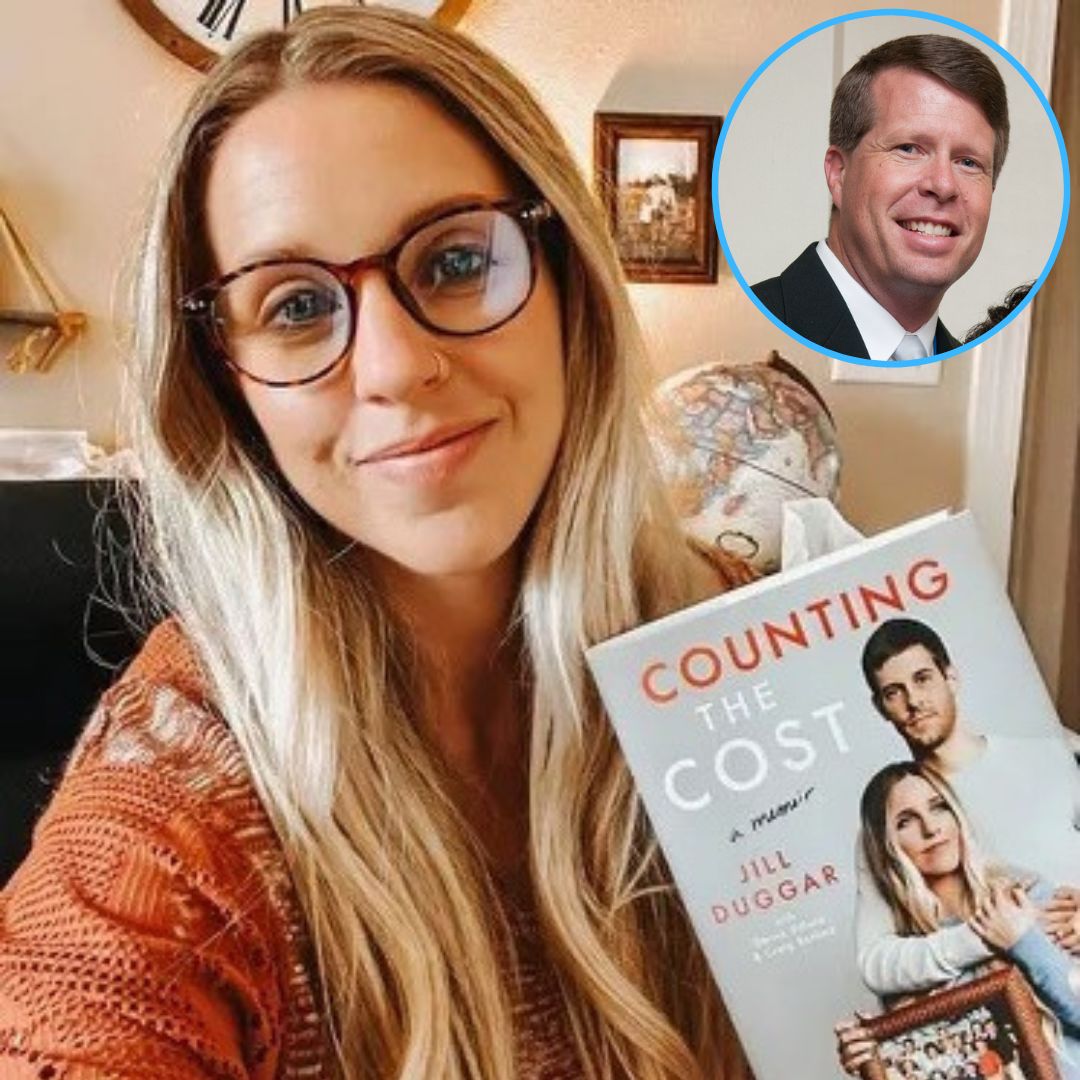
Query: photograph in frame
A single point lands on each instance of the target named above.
(653, 174)
(990, 1027)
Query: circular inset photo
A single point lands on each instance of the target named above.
(890, 188)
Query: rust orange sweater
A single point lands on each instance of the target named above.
(153, 932)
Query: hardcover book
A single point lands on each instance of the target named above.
(870, 810)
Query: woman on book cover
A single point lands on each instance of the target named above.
(925, 859)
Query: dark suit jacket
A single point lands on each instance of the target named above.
(807, 300)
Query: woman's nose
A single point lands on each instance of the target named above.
(393, 358)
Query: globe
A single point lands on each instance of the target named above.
(734, 443)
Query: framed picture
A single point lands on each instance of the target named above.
(654, 175)
(990, 1027)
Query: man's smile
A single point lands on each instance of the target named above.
(929, 227)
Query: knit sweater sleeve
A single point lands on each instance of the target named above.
(141, 937)
(1054, 975)
(894, 964)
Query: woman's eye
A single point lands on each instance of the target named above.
(455, 266)
(301, 308)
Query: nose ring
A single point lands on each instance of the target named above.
(442, 370)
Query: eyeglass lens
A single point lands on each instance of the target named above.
(461, 274)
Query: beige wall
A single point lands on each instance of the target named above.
(84, 113)
(86, 101)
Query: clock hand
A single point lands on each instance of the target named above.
(215, 11)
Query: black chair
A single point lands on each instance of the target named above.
(61, 638)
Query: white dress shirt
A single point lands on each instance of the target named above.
(880, 332)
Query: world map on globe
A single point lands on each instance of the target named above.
(733, 444)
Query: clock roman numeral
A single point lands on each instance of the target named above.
(215, 12)
(290, 9)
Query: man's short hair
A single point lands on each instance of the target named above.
(895, 636)
(967, 70)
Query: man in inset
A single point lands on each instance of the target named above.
(1021, 795)
(918, 133)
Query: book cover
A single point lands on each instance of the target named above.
(844, 765)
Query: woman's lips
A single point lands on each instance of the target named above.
(429, 463)
(935, 846)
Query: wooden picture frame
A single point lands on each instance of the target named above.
(653, 173)
(1002, 998)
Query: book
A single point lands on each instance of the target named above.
(759, 723)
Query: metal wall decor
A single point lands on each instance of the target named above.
(45, 330)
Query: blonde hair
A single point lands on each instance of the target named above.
(316, 677)
(915, 908)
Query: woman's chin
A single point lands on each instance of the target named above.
(448, 558)
(940, 869)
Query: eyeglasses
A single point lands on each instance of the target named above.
(287, 322)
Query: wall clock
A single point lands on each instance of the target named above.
(199, 31)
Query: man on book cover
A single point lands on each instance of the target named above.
(1021, 796)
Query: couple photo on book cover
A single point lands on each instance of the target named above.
(871, 811)
(952, 881)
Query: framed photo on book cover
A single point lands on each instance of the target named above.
(990, 1027)
(653, 173)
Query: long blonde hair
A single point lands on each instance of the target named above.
(316, 677)
(915, 908)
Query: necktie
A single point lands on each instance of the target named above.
(910, 348)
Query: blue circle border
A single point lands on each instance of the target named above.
(914, 14)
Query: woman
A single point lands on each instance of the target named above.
(356, 807)
(924, 858)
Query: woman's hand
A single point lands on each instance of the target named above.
(855, 1046)
(1061, 918)
(1004, 916)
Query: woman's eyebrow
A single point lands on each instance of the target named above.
(444, 205)
(409, 222)
(279, 251)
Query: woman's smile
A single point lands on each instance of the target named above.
(431, 459)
